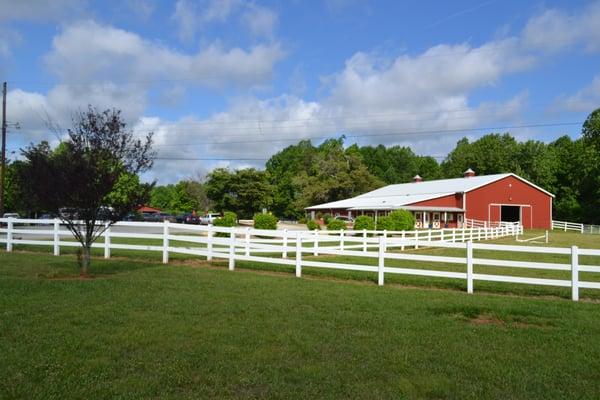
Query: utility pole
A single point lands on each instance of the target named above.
(3, 160)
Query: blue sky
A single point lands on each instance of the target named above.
(230, 82)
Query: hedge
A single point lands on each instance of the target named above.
(265, 221)
(312, 225)
(364, 222)
(335, 224)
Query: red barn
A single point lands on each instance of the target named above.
(449, 202)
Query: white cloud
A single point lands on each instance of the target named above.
(40, 10)
(191, 16)
(586, 99)
(555, 30)
(261, 21)
(143, 9)
(89, 51)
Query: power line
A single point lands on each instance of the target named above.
(358, 136)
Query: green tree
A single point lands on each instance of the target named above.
(89, 179)
(244, 191)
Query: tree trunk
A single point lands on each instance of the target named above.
(85, 260)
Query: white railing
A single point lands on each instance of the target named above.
(575, 226)
(274, 247)
(476, 223)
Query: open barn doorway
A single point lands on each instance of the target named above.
(510, 214)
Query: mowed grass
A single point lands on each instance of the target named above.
(557, 239)
(140, 329)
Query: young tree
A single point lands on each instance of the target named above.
(90, 180)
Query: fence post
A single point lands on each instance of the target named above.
(232, 249)
(107, 240)
(453, 235)
(574, 273)
(298, 255)
(316, 244)
(247, 242)
(9, 235)
(385, 241)
(364, 240)
(403, 237)
(416, 239)
(381, 265)
(429, 235)
(209, 242)
(442, 235)
(341, 239)
(165, 242)
(469, 267)
(546, 236)
(285, 243)
(581, 228)
(56, 237)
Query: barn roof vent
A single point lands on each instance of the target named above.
(469, 173)
(417, 178)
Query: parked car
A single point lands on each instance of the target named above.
(166, 217)
(209, 218)
(10, 215)
(188, 218)
(46, 216)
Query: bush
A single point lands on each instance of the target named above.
(228, 219)
(327, 218)
(336, 225)
(402, 220)
(364, 222)
(385, 223)
(302, 220)
(312, 225)
(265, 221)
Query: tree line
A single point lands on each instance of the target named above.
(305, 174)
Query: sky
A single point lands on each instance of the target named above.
(229, 83)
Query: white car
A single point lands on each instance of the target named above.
(209, 219)
(10, 215)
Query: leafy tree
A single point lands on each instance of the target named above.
(89, 180)
(591, 129)
(246, 190)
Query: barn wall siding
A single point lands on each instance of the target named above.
(453, 200)
(510, 191)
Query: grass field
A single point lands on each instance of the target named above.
(557, 239)
(140, 329)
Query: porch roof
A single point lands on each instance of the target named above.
(410, 208)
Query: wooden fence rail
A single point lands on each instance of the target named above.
(274, 247)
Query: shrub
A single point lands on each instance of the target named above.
(319, 215)
(228, 219)
(312, 225)
(385, 223)
(364, 222)
(265, 221)
(402, 220)
(336, 225)
(327, 218)
(302, 220)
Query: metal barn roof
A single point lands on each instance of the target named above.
(396, 196)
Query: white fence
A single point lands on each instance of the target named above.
(274, 246)
(575, 226)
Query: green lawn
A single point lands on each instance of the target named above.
(557, 239)
(140, 329)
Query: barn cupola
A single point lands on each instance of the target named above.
(469, 173)
(417, 178)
